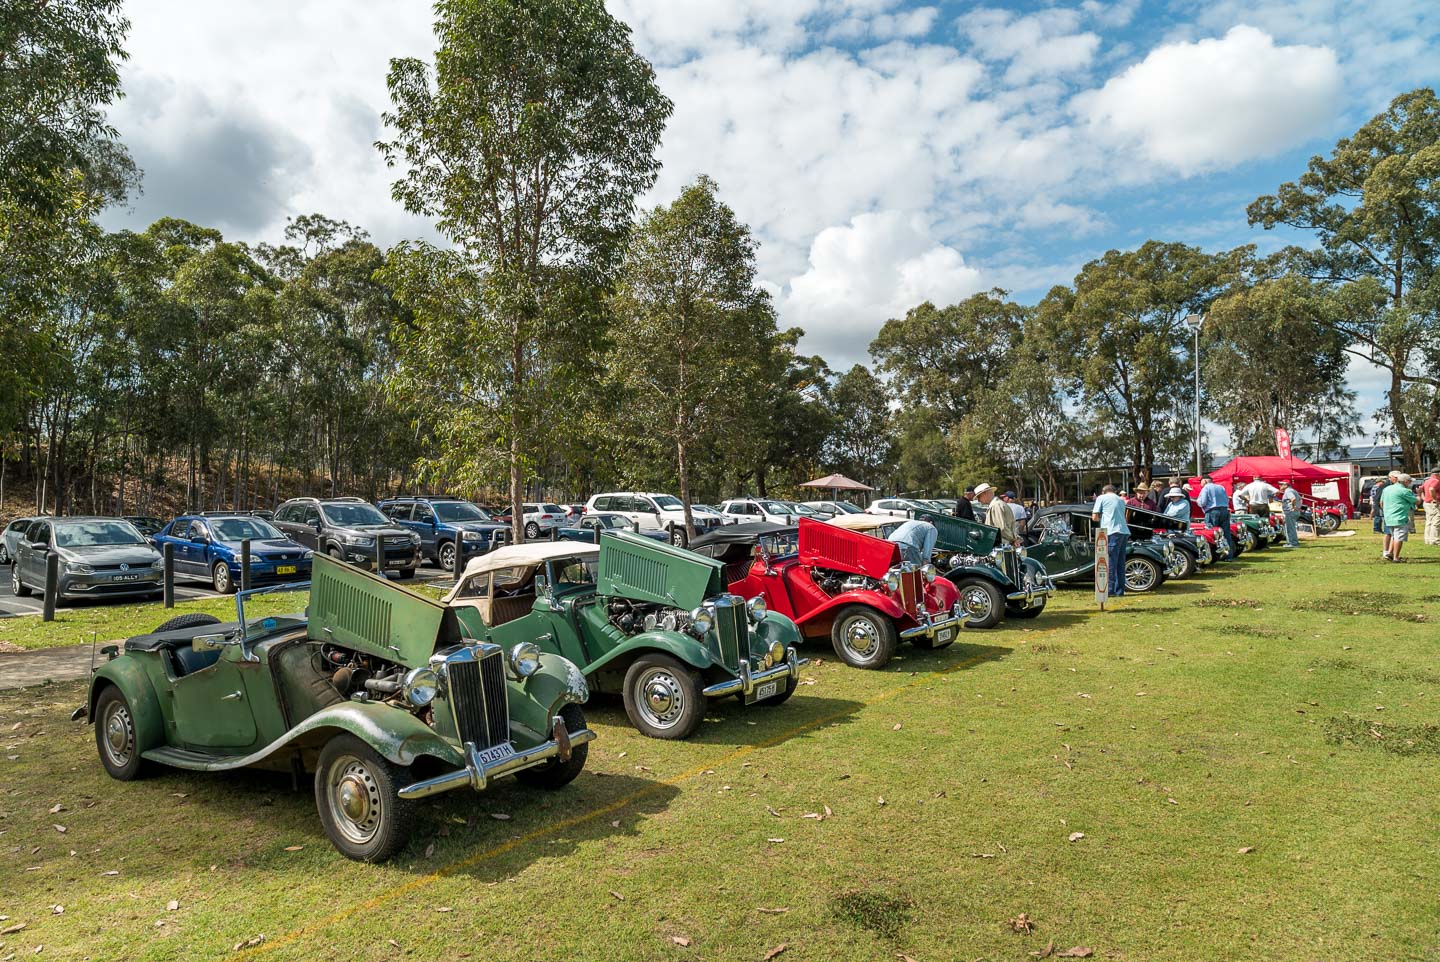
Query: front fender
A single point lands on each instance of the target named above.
(1149, 551)
(129, 675)
(884, 604)
(557, 683)
(692, 652)
(776, 627)
(978, 571)
(393, 732)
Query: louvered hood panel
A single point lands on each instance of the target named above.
(827, 546)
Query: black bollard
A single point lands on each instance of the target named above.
(380, 556)
(244, 564)
(169, 554)
(459, 553)
(52, 584)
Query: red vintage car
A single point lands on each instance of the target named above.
(830, 580)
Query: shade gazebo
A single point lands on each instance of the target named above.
(837, 483)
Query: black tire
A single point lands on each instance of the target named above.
(335, 552)
(221, 580)
(982, 602)
(357, 795)
(1190, 563)
(17, 587)
(664, 697)
(532, 530)
(1147, 575)
(678, 537)
(115, 737)
(1261, 542)
(555, 773)
(779, 698)
(1032, 612)
(445, 556)
(862, 637)
(193, 620)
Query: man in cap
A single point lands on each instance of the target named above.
(1397, 504)
(1290, 506)
(1216, 506)
(1140, 497)
(1021, 513)
(998, 514)
(963, 507)
(1108, 512)
(1430, 497)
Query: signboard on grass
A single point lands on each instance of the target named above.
(1102, 568)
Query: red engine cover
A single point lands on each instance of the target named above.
(840, 549)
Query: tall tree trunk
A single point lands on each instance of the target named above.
(517, 491)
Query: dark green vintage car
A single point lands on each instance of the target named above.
(382, 694)
(1062, 538)
(640, 617)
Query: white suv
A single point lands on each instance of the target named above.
(541, 518)
(651, 511)
(759, 509)
(900, 507)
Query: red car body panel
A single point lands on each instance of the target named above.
(840, 549)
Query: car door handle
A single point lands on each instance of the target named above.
(233, 696)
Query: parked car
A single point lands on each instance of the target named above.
(346, 529)
(844, 584)
(539, 519)
(14, 532)
(208, 547)
(387, 707)
(1062, 538)
(1191, 551)
(1252, 532)
(829, 509)
(99, 557)
(899, 507)
(439, 521)
(751, 510)
(654, 512)
(146, 524)
(1211, 535)
(640, 617)
(711, 514)
(590, 527)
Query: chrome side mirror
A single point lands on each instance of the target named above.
(542, 587)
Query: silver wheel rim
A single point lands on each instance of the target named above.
(15, 578)
(447, 557)
(677, 537)
(357, 806)
(977, 603)
(1139, 576)
(660, 697)
(532, 530)
(222, 578)
(861, 637)
(119, 731)
(1206, 556)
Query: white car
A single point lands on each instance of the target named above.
(653, 512)
(710, 514)
(900, 507)
(542, 518)
(747, 510)
(832, 508)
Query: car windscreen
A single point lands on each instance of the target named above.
(353, 513)
(775, 507)
(782, 544)
(805, 511)
(238, 529)
(612, 521)
(845, 507)
(452, 511)
(667, 503)
(91, 534)
(575, 572)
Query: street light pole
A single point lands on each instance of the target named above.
(1194, 322)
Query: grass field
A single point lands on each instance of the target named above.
(1242, 766)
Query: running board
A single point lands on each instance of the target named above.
(194, 760)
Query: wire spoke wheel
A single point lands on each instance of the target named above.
(1140, 574)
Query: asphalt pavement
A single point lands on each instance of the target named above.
(11, 605)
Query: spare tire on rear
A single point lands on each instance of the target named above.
(194, 619)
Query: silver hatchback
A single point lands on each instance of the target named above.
(98, 557)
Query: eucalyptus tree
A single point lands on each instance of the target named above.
(528, 143)
(860, 444)
(1373, 206)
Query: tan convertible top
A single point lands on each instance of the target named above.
(528, 555)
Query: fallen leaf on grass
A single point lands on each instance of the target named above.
(903, 957)
(109, 873)
(819, 816)
(616, 896)
(430, 850)
(880, 800)
(1078, 952)
(775, 951)
(293, 848)
(58, 909)
(680, 940)
(393, 942)
(1045, 953)
(897, 727)
(773, 911)
(249, 943)
(57, 809)
(775, 841)
(61, 829)
(1076, 836)
(444, 908)
(772, 811)
(1022, 923)
(12, 929)
(172, 906)
(500, 816)
(1247, 850)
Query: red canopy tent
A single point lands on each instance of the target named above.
(1302, 474)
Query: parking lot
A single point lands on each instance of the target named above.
(11, 606)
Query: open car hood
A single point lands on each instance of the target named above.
(641, 569)
(1141, 518)
(356, 609)
(957, 535)
(827, 546)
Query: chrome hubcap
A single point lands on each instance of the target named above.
(355, 802)
(976, 601)
(862, 637)
(662, 698)
(119, 735)
(1138, 576)
(447, 557)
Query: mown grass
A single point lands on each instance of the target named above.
(1252, 781)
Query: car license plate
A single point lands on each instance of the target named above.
(125, 578)
(766, 689)
(499, 753)
(944, 635)
(284, 569)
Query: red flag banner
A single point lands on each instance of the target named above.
(1282, 442)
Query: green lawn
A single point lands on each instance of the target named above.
(1251, 757)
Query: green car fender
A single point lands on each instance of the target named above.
(538, 698)
(774, 627)
(128, 675)
(1150, 551)
(393, 732)
(980, 571)
(688, 650)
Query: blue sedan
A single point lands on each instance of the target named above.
(207, 547)
(588, 528)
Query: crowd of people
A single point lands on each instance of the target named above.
(1393, 502)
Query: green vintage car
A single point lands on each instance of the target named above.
(382, 694)
(640, 617)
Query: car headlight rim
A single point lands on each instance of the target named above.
(420, 686)
(525, 659)
(701, 621)
(757, 608)
(930, 572)
(892, 580)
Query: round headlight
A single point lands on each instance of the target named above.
(892, 580)
(701, 620)
(777, 653)
(525, 658)
(929, 572)
(757, 608)
(419, 686)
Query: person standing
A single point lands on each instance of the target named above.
(1177, 506)
(1259, 493)
(1109, 513)
(1138, 499)
(1398, 504)
(1290, 506)
(1377, 517)
(1216, 506)
(998, 514)
(1022, 514)
(1430, 495)
(963, 507)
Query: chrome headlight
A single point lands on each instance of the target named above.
(930, 573)
(525, 659)
(81, 568)
(757, 608)
(470, 535)
(892, 580)
(158, 564)
(420, 686)
(701, 621)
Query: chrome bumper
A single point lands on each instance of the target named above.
(747, 681)
(1036, 586)
(930, 625)
(478, 775)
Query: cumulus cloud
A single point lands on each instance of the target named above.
(1039, 44)
(1214, 103)
(862, 273)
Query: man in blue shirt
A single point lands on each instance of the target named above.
(1216, 504)
(1109, 513)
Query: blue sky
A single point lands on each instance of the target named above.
(885, 152)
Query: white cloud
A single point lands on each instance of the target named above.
(1047, 43)
(861, 274)
(1214, 103)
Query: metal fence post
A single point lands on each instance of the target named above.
(244, 564)
(52, 584)
(459, 553)
(169, 554)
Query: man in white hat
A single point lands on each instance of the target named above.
(998, 514)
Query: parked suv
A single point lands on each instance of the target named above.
(346, 529)
(750, 510)
(14, 533)
(439, 520)
(98, 557)
(654, 512)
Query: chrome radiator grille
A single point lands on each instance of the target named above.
(731, 629)
(1010, 564)
(477, 694)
